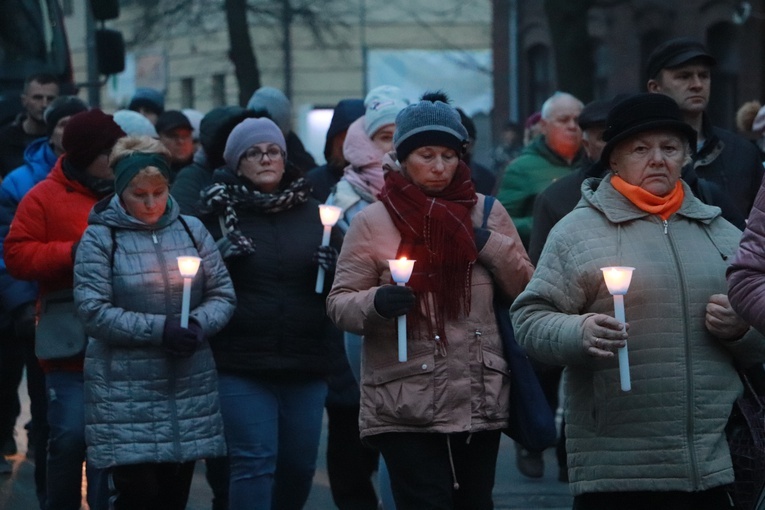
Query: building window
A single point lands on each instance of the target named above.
(219, 90)
(187, 93)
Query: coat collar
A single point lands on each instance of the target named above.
(602, 196)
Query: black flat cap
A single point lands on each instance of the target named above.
(172, 119)
(676, 52)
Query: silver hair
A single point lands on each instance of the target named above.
(550, 102)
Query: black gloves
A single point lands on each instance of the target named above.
(181, 342)
(326, 257)
(234, 244)
(481, 236)
(394, 300)
(24, 321)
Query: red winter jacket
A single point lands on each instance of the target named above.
(50, 219)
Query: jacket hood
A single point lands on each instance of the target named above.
(358, 148)
(40, 153)
(215, 128)
(110, 212)
(346, 111)
(602, 196)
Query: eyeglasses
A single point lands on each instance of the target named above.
(255, 154)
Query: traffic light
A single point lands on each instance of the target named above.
(110, 51)
(105, 9)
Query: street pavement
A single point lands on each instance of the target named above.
(512, 491)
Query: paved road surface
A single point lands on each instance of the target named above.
(512, 491)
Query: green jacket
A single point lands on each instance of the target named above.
(528, 175)
(667, 433)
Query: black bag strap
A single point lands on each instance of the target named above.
(188, 231)
(488, 203)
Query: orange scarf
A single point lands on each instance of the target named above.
(664, 206)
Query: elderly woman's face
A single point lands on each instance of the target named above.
(145, 197)
(651, 160)
(431, 168)
(263, 164)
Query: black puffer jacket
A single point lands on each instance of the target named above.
(280, 325)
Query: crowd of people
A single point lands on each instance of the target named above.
(151, 369)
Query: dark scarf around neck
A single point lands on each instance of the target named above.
(225, 197)
(100, 187)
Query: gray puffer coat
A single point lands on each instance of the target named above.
(141, 404)
(667, 433)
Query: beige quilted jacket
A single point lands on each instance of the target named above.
(667, 433)
(462, 389)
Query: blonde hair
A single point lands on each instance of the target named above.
(129, 145)
(745, 116)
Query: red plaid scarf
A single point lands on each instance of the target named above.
(436, 231)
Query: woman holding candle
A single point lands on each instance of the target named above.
(151, 394)
(274, 355)
(436, 418)
(662, 443)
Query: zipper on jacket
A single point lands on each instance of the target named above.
(480, 345)
(666, 224)
(689, 363)
(440, 347)
(154, 237)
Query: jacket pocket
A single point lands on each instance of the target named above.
(404, 393)
(496, 387)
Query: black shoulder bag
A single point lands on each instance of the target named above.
(532, 423)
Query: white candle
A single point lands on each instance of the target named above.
(188, 266)
(401, 271)
(618, 281)
(329, 215)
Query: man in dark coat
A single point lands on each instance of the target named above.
(681, 69)
(39, 91)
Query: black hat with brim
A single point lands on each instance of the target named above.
(641, 113)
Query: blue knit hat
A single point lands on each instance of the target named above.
(431, 121)
(147, 98)
(275, 104)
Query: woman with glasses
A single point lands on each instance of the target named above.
(273, 356)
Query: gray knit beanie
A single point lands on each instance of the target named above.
(246, 134)
(62, 106)
(382, 105)
(275, 104)
(134, 124)
(431, 121)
